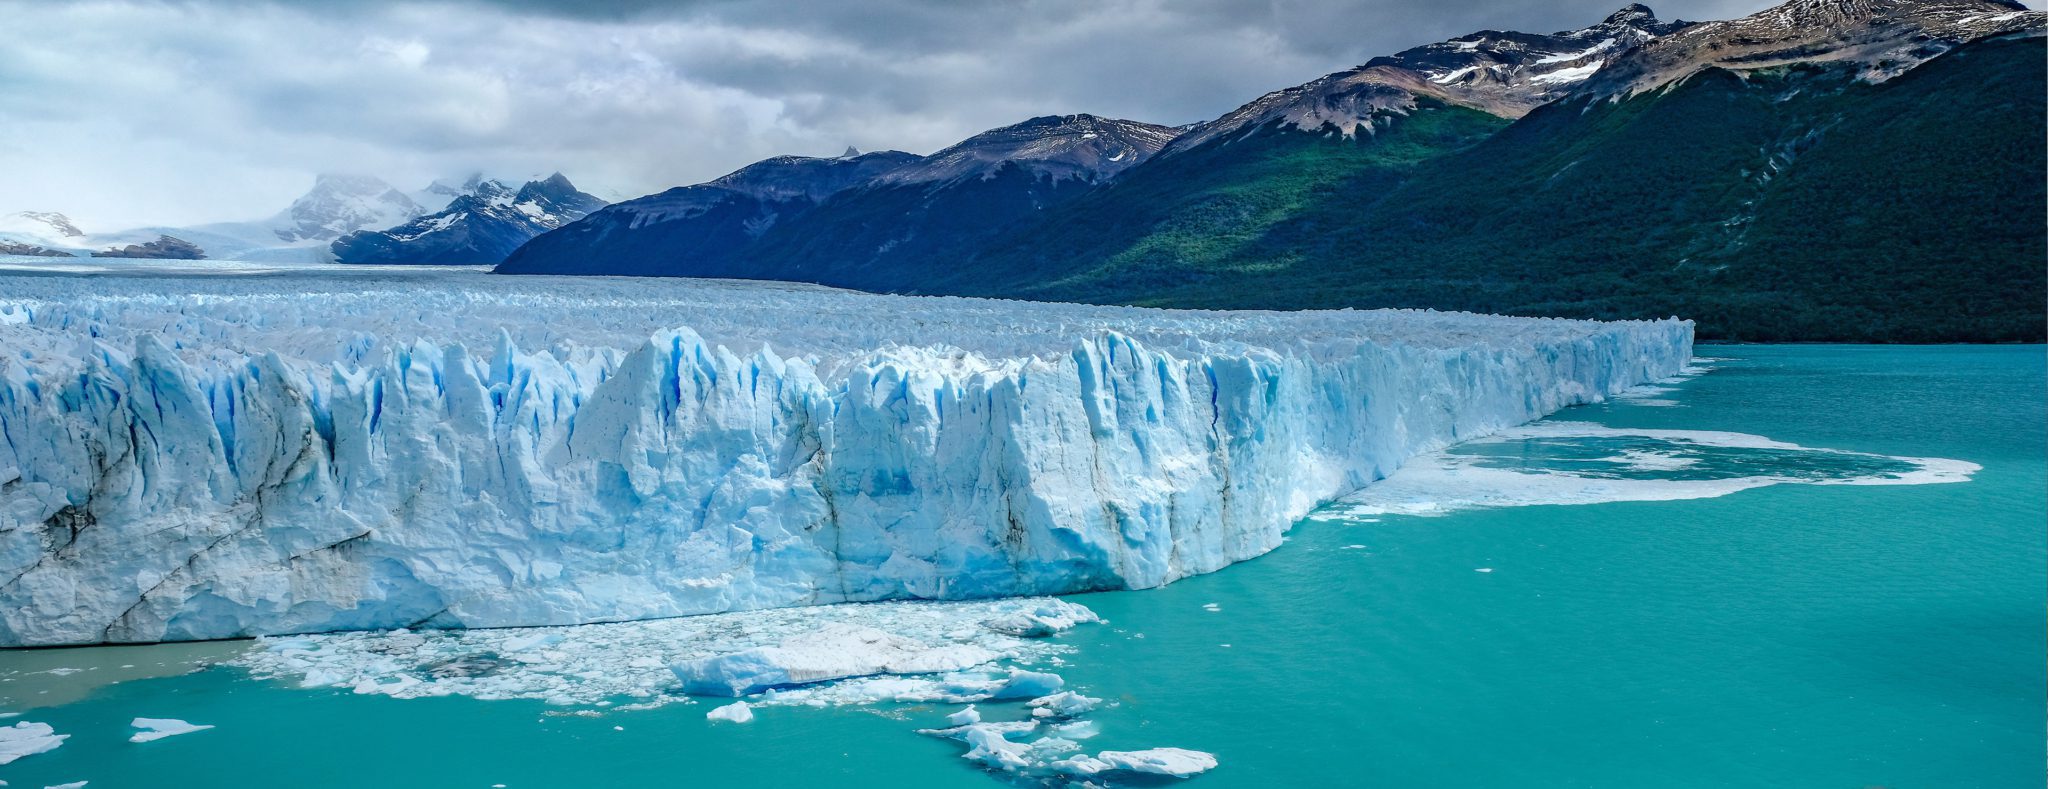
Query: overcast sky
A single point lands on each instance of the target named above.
(130, 113)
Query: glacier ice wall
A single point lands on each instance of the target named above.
(190, 457)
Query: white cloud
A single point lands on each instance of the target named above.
(129, 113)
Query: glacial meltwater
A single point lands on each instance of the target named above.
(1812, 566)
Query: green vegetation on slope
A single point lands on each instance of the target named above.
(1187, 216)
(1792, 205)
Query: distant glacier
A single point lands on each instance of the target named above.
(213, 456)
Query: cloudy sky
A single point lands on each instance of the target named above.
(130, 113)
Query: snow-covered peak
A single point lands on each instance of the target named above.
(1087, 147)
(1502, 72)
(45, 223)
(341, 204)
(479, 227)
(1880, 38)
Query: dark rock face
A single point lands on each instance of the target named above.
(481, 227)
(163, 248)
(30, 250)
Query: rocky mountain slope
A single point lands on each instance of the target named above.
(864, 221)
(477, 228)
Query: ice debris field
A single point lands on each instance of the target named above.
(193, 456)
(959, 653)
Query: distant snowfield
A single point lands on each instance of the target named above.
(215, 452)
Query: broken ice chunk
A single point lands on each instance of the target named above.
(159, 728)
(836, 651)
(1173, 762)
(736, 712)
(28, 738)
(1065, 704)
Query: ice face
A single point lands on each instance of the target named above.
(196, 457)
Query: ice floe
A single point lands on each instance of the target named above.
(159, 728)
(28, 738)
(1582, 463)
(1002, 747)
(957, 651)
(836, 651)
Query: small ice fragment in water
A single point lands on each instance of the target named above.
(990, 747)
(1482, 569)
(72, 785)
(159, 728)
(1028, 684)
(1048, 617)
(28, 738)
(1212, 607)
(736, 712)
(527, 642)
(964, 717)
(1065, 704)
(1352, 548)
(1176, 762)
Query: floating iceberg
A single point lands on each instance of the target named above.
(736, 712)
(211, 456)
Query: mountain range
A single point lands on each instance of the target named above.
(339, 219)
(483, 224)
(1823, 170)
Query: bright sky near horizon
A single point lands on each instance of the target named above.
(123, 113)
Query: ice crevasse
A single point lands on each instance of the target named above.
(211, 457)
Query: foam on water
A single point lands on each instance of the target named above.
(1583, 463)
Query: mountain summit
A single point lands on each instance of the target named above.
(340, 204)
(1882, 38)
(480, 227)
(1502, 73)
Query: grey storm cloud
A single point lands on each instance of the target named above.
(131, 112)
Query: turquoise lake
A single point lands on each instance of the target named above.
(1793, 635)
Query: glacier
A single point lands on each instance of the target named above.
(199, 454)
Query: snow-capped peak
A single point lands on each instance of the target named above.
(1880, 38)
(1502, 72)
(44, 222)
(340, 204)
